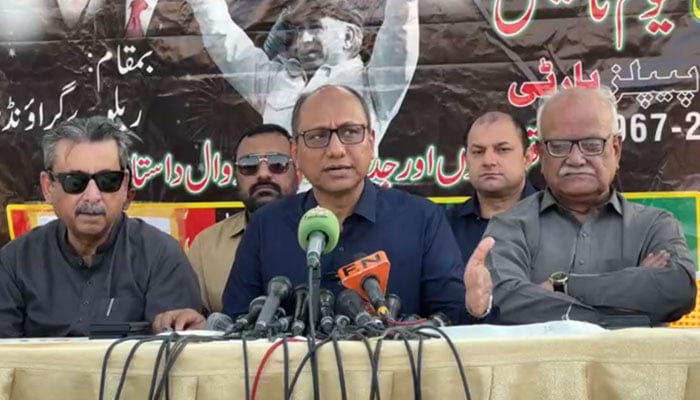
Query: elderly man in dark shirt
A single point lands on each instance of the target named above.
(579, 250)
(92, 264)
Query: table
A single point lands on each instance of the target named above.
(644, 364)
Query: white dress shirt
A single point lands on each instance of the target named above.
(273, 86)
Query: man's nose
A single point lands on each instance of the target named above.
(490, 157)
(92, 193)
(336, 148)
(264, 171)
(575, 157)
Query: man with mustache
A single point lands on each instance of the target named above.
(264, 172)
(333, 147)
(497, 157)
(579, 250)
(93, 263)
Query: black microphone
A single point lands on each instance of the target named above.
(218, 322)
(393, 303)
(326, 299)
(282, 324)
(278, 290)
(247, 320)
(301, 309)
(350, 303)
(342, 321)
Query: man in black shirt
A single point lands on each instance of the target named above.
(93, 263)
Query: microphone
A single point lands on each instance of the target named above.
(281, 325)
(350, 303)
(326, 299)
(342, 321)
(368, 276)
(393, 303)
(247, 320)
(218, 322)
(301, 309)
(438, 320)
(278, 290)
(318, 233)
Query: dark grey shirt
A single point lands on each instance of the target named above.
(603, 255)
(46, 290)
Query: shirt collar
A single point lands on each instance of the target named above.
(236, 224)
(471, 206)
(366, 206)
(548, 200)
(70, 252)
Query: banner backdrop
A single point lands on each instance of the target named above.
(189, 76)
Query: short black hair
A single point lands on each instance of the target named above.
(305, 96)
(259, 130)
(493, 116)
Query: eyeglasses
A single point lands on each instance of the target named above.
(250, 164)
(559, 148)
(321, 137)
(77, 182)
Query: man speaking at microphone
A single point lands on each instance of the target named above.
(333, 147)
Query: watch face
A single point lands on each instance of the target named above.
(558, 276)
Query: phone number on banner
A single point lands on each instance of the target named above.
(642, 127)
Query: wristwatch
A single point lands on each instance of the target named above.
(559, 280)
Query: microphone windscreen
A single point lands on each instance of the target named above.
(319, 219)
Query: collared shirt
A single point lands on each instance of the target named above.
(426, 271)
(212, 254)
(467, 224)
(47, 290)
(272, 87)
(602, 255)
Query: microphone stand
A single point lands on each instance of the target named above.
(314, 305)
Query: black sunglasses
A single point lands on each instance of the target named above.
(250, 164)
(77, 182)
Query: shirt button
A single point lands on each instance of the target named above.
(341, 248)
(581, 261)
(86, 303)
(80, 320)
(584, 234)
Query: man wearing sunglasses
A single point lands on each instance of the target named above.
(333, 147)
(264, 173)
(93, 264)
(579, 250)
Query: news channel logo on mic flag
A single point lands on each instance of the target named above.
(695, 9)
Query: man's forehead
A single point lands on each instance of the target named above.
(331, 104)
(264, 143)
(72, 154)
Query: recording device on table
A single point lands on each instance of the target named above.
(116, 330)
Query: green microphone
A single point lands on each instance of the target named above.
(318, 234)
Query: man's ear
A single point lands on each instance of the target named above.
(353, 40)
(46, 182)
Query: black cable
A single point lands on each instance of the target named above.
(419, 361)
(417, 395)
(374, 388)
(373, 366)
(285, 348)
(465, 384)
(341, 370)
(105, 360)
(303, 362)
(246, 372)
(156, 366)
(127, 363)
(312, 333)
(178, 348)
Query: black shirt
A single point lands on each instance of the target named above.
(47, 290)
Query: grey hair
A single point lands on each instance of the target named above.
(603, 93)
(302, 99)
(91, 129)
